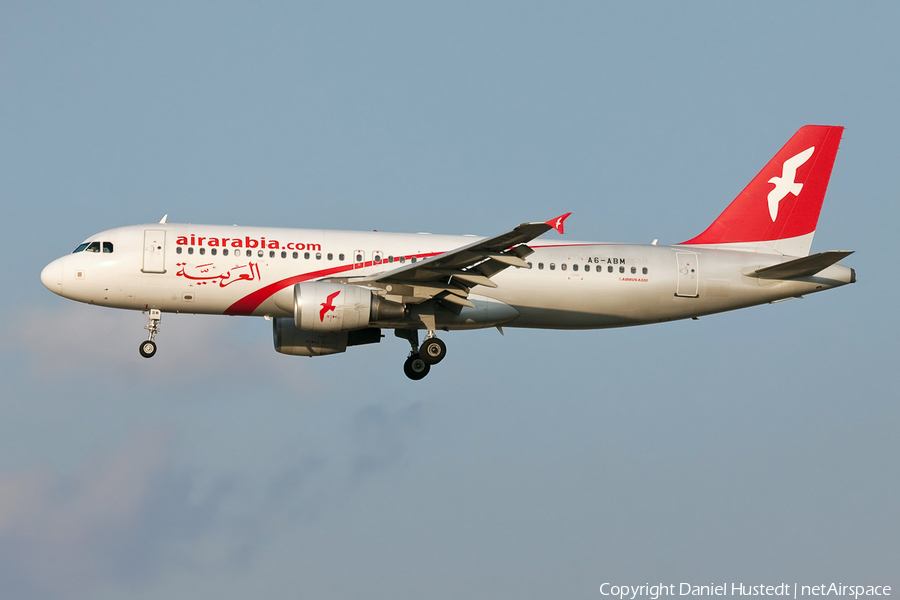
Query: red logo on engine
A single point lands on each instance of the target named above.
(328, 305)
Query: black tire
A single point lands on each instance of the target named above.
(416, 368)
(433, 351)
(147, 348)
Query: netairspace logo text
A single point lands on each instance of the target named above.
(654, 592)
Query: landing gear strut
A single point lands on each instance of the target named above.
(148, 347)
(420, 359)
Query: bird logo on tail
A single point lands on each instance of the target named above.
(785, 184)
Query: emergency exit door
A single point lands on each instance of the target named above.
(688, 275)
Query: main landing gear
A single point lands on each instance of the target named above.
(148, 347)
(420, 359)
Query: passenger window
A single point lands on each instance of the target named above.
(271, 254)
(529, 265)
(413, 259)
(359, 258)
(259, 253)
(564, 266)
(609, 268)
(93, 247)
(402, 259)
(202, 250)
(633, 270)
(212, 251)
(587, 267)
(318, 256)
(296, 255)
(330, 256)
(306, 255)
(250, 252)
(283, 254)
(644, 270)
(80, 248)
(177, 250)
(377, 259)
(107, 248)
(621, 269)
(552, 267)
(340, 257)
(575, 267)
(224, 251)
(390, 259)
(540, 266)
(190, 249)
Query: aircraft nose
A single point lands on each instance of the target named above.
(51, 277)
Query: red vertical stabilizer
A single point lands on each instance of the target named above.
(779, 209)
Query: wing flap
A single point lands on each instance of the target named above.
(468, 277)
(507, 259)
(458, 301)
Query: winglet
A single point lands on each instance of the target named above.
(165, 218)
(557, 223)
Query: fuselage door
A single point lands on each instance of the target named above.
(154, 251)
(688, 275)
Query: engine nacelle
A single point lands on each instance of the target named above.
(331, 307)
(299, 342)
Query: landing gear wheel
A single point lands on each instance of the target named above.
(416, 368)
(433, 351)
(148, 348)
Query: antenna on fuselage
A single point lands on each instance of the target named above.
(164, 219)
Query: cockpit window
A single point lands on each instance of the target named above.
(105, 247)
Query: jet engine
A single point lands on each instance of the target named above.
(289, 339)
(331, 307)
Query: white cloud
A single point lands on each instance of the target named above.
(124, 518)
(100, 345)
(80, 336)
(112, 521)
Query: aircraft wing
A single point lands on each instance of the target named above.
(449, 276)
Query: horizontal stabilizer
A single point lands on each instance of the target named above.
(802, 267)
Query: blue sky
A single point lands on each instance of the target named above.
(754, 446)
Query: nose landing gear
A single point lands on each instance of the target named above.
(148, 347)
(420, 359)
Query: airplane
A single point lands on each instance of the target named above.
(325, 291)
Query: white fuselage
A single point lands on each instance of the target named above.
(214, 269)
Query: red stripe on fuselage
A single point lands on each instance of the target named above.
(246, 305)
(250, 302)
